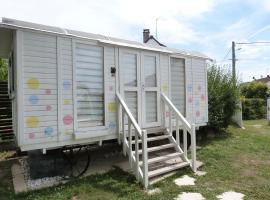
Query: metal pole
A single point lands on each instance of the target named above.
(233, 62)
(156, 28)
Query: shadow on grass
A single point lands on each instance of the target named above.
(209, 136)
(114, 184)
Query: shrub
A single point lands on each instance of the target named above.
(254, 89)
(3, 70)
(223, 96)
(253, 108)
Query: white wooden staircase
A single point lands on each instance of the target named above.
(154, 152)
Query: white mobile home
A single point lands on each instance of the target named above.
(70, 87)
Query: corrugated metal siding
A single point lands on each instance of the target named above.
(40, 84)
(178, 84)
(90, 85)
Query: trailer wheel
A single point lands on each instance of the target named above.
(77, 159)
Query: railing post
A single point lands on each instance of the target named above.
(170, 120)
(130, 142)
(185, 141)
(177, 132)
(193, 147)
(164, 112)
(124, 134)
(119, 121)
(137, 155)
(145, 158)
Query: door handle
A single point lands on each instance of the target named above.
(143, 86)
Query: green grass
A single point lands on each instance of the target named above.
(237, 160)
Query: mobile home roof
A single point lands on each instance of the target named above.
(7, 22)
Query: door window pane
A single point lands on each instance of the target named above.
(132, 103)
(151, 106)
(130, 69)
(150, 71)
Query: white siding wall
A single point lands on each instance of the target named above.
(50, 123)
(189, 90)
(39, 57)
(47, 123)
(66, 89)
(110, 90)
(200, 100)
(165, 86)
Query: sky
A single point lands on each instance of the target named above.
(207, 26)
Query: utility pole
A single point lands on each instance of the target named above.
(233, 62)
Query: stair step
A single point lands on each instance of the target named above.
(167, 169)
(157, 148)
(163, 158)
(155, 138)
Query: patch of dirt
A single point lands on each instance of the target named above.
(75, 198)
(248, 165)
(4, 155)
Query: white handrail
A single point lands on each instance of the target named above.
(127, 144)
(130, 116)
(187, 127)
(182, 118)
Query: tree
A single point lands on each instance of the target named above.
(3, 69)
(223, 96)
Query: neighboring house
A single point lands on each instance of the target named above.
(75, 88)
(149, 39)
(265, 80)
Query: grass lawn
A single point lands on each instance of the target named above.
(238, 160)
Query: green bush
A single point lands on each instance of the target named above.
(223, 96)
(254, 89)
(3, 70)
(253, 108)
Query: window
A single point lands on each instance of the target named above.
(178, 93)
(90, 85)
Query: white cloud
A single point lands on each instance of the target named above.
(115, 18)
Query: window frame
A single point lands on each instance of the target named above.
(185, 81)
(91, 129)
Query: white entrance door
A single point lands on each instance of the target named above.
(139, 85)
(150, 90)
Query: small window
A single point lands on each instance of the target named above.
(178, 92)
(90, 85)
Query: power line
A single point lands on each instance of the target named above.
(226, 55)
(253, 42)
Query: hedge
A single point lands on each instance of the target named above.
(253, 108)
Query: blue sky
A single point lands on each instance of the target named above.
(203, 25)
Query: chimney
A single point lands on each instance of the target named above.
(146, 35)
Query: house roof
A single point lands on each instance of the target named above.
(7, 22)
(153, 38)
(264, 80)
